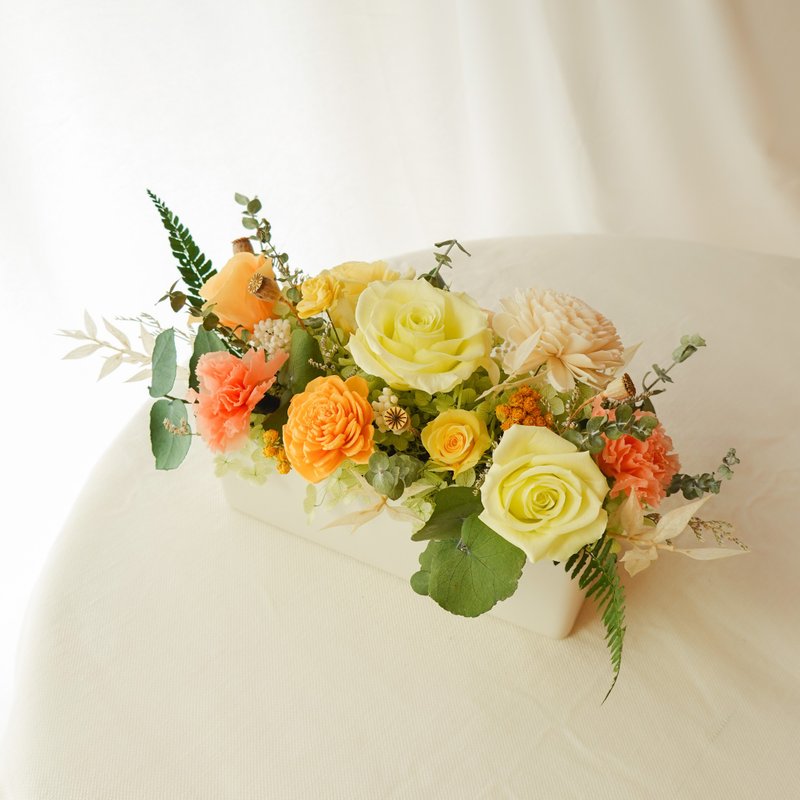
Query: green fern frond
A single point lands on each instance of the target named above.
(195, 269)
(595, 567)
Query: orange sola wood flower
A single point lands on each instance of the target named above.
(329, 422)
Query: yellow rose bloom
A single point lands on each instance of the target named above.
(319, 293)
(416, 336)
(456, 440)
(354, 277)
(543, 495)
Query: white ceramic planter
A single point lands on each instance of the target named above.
(547, 600)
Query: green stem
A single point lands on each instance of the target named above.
(658, 378)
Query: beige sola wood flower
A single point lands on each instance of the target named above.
(570, 338)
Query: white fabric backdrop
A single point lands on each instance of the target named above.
(370, 128)
(205, 656)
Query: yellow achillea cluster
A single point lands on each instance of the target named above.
(522, 408)
(273, 450)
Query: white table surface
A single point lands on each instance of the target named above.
(176, 649)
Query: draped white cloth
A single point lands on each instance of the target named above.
(369, 128)
(177, 649)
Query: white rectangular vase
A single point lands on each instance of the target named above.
(547, 600)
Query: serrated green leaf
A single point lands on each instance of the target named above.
(249, 223)
(204, 342)
(164, 363)
(451, 507)
(469, 575)
(595, 567)
(241, 199)
(168, 448)
(254, 206)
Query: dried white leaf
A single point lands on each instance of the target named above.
(89, 324)
(111, 363)
(710, 553)
(673, 523)
(82, 351)
(627, 355)
(148, 340)
(356, 519)
(140, 376)
(631, 517)
(117, 333)
(73, 334)
(401, 513)
(635, 560)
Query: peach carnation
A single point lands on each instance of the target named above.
(329, 422)
(230, 388)
(644, 467)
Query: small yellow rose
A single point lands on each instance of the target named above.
(354, 277)
(416, 336)
(543, 495)
(319, 294)
(456, 439)
(228, 292)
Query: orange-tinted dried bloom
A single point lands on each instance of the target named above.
(329, 422)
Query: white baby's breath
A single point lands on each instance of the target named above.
(272, 335)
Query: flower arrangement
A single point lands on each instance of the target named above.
(502, 437)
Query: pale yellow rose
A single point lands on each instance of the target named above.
(228, 296)
(354, 277)
(456, 439)
(319, 294)
(415, 336)
(543, 495)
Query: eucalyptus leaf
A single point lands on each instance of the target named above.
(164, 363)
(169, 448)
(204, 342)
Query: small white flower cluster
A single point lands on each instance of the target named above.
(384, 402)
(272, 335)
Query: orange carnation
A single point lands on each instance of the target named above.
(328, 423)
